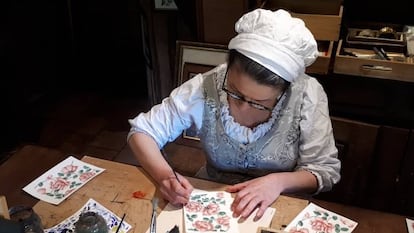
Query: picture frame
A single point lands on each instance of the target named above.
(189, 71)
(165, 5)
(193, 58)
(197, 53)
(192, 69)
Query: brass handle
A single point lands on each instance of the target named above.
(377, 68)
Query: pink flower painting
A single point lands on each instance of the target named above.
(315, 219)
(62, 180)
(209, 212)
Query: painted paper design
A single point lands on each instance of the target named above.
(209, 212)
(172, 216)
(68, 225)
(62, 180)
(315, 219)
(410, 225)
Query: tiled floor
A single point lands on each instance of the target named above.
(96, 124)
(86, 123)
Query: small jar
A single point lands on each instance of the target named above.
(27, 218)
(91, 222)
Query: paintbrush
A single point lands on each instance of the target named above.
(169, 163)
(120, 223)
(153, 225)
(176, 176)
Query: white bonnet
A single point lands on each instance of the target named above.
(277, 41)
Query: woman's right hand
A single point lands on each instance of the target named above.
(176, 191)
(173, 189)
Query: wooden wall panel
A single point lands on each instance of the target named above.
(403, 201)
(216, 19)
(389, 155)
(356, 144)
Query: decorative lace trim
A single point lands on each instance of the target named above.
(241, 133)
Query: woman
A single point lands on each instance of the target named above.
(263, 122)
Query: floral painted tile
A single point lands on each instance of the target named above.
(172, 216)
(315, 219)
(68, 225)
(209, 212)
(62, 180)
(410, 225)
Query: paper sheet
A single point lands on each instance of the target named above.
(209, 211)
(315, 219)
(62, 180)
(172, 216)
(410, 225)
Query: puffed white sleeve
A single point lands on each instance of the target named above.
(164, 122)
(317, 151)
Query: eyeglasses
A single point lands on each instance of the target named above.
(242, 98)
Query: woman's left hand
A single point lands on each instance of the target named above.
(257, 193)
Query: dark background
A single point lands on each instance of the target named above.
(49, 49)
(397, 12)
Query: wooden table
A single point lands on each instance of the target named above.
(114, 187)
(23, 167)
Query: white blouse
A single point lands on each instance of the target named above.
(184, 108)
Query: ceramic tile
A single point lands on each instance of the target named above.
(68, 225)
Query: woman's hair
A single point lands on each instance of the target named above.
(258, 72)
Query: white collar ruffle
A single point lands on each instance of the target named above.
(241, 133)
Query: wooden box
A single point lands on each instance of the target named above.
(322, 63)
(216, 19)
(326, 30)
(364, 62)
(324, 27)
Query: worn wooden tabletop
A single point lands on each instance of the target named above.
(114, 189)
(25, 165)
